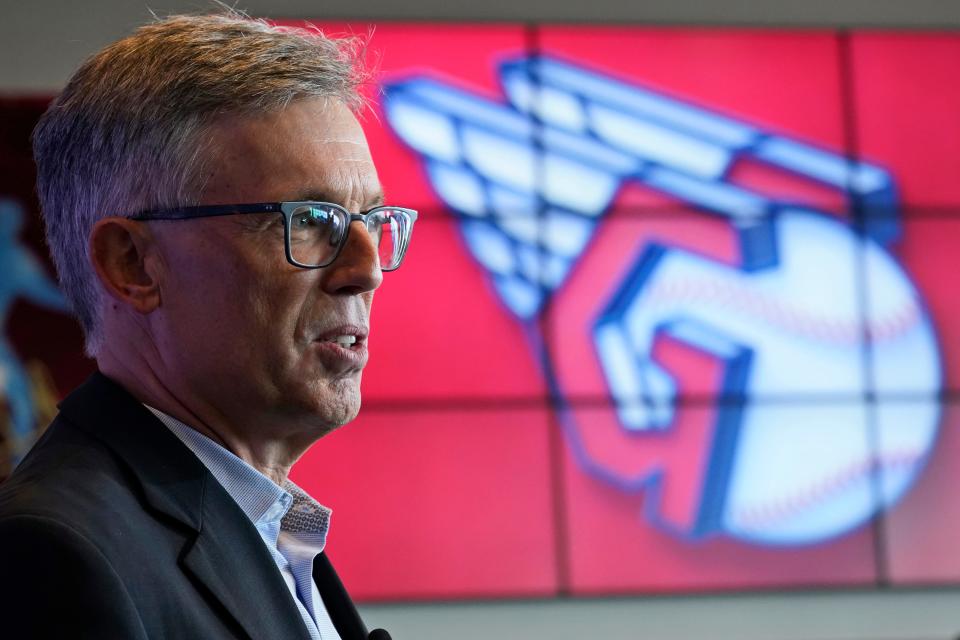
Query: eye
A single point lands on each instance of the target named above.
(313, 224)
(311, 217)
(308, 221)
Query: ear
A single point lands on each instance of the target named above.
(119, 249)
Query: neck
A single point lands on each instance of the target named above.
(273, 457)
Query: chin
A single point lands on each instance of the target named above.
(321, 404)
(338, 403)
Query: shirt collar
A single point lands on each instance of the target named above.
(261, 499)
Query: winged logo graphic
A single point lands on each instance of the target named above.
(816, 304)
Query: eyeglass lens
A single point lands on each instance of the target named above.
(316, 234)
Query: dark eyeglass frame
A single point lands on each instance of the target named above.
(287, 210)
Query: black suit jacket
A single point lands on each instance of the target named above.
(112, 528)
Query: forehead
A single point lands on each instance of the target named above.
(312, 149)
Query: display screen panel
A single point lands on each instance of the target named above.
(439, 503)
(919, 530)
(904, 108)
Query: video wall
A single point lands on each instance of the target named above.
(679, 314)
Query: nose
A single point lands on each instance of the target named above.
(357, 269)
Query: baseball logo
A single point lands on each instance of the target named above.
(742, 338)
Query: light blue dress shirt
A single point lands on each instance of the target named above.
(292, 525)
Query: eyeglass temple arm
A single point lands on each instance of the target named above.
(207, 211)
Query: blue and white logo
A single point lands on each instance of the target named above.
(815, 307)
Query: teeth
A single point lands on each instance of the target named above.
(345, 341)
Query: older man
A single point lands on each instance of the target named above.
(199, 181)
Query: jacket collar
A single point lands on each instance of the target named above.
(172, 478)
(223, 550)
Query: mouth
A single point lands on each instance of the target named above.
(343, 348)
(344, 340)
(346, 336)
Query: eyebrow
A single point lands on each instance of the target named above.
(311, 195)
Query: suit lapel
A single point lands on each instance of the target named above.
(234, 565)
(223, 551)
(336, 600)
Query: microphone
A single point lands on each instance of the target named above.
(379, 634)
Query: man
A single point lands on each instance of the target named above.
(197, 181)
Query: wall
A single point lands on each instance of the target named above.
(44, 40)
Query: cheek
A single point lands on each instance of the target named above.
(274, 304)
(217, 295)
(237, 300)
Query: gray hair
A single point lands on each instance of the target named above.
(127, 133)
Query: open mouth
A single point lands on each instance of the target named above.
(346, 341)
(346, 344)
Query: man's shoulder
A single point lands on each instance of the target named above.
(96, 458)
(77, 538)
(68, 477)
(76, 499)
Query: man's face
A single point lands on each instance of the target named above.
(246, 334)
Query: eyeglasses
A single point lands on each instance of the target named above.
(314, 233)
